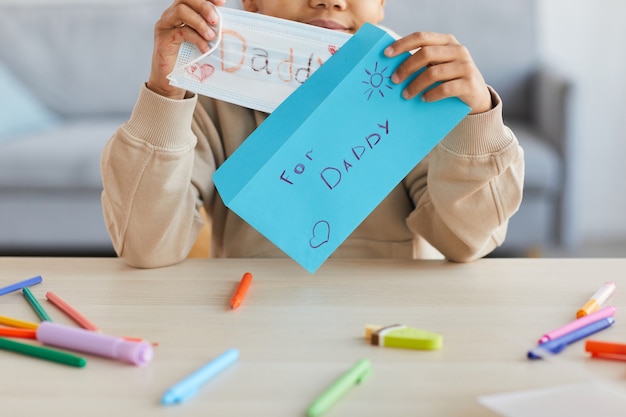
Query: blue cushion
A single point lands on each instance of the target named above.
(20, 112)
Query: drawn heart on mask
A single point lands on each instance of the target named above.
(321, 234)
(332, 49)
(200, 71)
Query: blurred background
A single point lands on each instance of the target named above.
(70, 72)
(584, 39)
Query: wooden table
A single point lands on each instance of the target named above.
(298, 332)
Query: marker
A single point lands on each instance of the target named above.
(604, 293)
(557, 345)
(20, 285)
(608, 311)
(606, 350)
(9, 321)
(42, 353)
(35, 304)
(139, 339)
(339, 388)
(21, 333)
(82, 340)
(70, 311)
(189, 386)
(241, 290)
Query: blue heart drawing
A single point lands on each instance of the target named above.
(321, 234)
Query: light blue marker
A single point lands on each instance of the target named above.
(20, 285)
(188, 387)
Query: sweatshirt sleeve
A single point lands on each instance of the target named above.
(149, 199)
(468, 187)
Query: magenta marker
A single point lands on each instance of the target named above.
(87, 341)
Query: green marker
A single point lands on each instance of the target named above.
(35, 304)
(353, 376)
(42, 353)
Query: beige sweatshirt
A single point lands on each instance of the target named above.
(157, 172)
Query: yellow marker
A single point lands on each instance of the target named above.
(401, 336)
(604, 293)
(21, 324)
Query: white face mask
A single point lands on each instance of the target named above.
(257, 61)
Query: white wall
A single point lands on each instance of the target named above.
(587, 40)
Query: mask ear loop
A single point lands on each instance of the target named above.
(215, 43)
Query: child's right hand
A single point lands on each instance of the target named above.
(447, 62)
(184, 20)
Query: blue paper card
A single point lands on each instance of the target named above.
(332, 151)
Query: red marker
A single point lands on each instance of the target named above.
(23, 333)
(241, 291)
(606, 350)
(70, 311)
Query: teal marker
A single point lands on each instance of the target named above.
(339, 388)
(35, 304)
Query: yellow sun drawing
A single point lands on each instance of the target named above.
(376, 81)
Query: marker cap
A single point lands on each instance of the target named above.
(589, 307)
(174, 396)
(137, 353)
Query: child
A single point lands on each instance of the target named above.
(157, 168)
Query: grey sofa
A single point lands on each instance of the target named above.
(85, 63)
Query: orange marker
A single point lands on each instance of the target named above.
(597, 299)
(241, 291)
(139, 339)
(22, 333)
(70, 311)
(606, 350)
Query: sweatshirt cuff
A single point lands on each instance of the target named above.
(480, 134)
(161, 121)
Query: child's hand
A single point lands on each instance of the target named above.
(447, 62)
(184, 20)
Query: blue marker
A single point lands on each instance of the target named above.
(557, 345)
(188, 387)
(20, 285)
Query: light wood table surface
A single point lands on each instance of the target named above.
(298, 332)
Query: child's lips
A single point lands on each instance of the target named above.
(328, 24)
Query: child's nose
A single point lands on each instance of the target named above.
(328, 4)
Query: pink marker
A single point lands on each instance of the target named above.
(605, 312)
(82, 340)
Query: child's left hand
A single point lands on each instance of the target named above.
(447, 62)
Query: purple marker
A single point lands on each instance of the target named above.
(82, 340)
